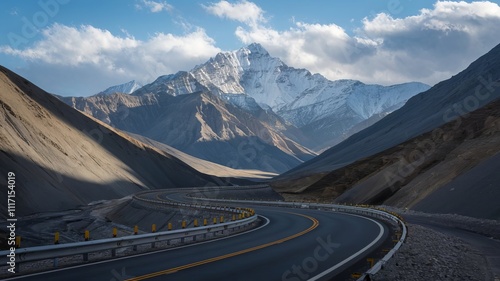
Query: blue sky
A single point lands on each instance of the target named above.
(70, 47)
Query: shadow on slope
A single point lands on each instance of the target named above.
(42, 189)
(451, 169)
(154, 168)
(246, 153)
(472, 194)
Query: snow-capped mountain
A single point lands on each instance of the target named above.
(248, 98)
(126, 88)
(325, 109)
(250, 71)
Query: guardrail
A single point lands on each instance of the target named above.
(347, 209)
(159, 202)
(84, 248)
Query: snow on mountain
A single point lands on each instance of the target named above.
(252, 71)
(363, 100)
(126, 88)
(177, 84)
(242, 101)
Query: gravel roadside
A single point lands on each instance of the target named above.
(445, 247)
(430, 255)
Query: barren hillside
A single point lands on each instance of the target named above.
(449, 170)
(62, 158)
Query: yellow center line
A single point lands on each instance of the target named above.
(210, 260)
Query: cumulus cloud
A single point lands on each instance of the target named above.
(429, 47)
(106, 58)
(154, 7)
(243, 11)
(436, 43)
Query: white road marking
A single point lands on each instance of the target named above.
(324, 273)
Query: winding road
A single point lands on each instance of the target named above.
(289, 245)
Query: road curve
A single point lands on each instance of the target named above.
(295, 244)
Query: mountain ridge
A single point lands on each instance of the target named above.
(194, 123)
(126, 88)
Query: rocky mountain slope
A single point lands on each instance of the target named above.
(236, 176)
(442, 146)
(62, 158)
(203, 125)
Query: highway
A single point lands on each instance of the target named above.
(290, 245)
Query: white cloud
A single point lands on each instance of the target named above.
(243, 11)
(429, 47)
(154, 7)
(436, 43)
(105, 58)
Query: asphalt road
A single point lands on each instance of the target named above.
(294, 244)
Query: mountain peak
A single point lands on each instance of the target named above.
(257, 48)
(126, 88)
